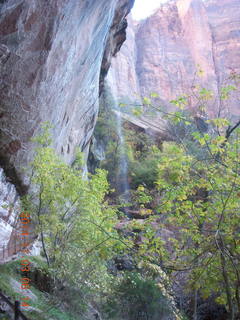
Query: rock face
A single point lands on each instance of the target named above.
(9, 210)
(122, 77)
(51, 54)
(171, 44)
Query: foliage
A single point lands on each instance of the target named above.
(106, 132)
(138, 146)
(193, 184)
(41, 308)
(200, 202)
(144, 171)
(142, 197)
(106, 125)
(201, 199)
(136, 297)
(142, 156)
(75, 223)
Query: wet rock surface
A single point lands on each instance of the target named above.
(9, 210)
(51, 54)
(52, 57)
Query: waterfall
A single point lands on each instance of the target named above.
(111, 99)
(122, 175)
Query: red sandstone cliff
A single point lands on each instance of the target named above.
(170, 45)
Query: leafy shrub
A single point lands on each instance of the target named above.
(144, 170)
(136, 298)
(75, 223)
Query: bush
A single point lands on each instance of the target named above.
(75, 222)
(144, 171)
(135, 298)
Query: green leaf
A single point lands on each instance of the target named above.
(122, 105)
(146, 101)
(154, 95)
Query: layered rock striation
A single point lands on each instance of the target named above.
(52, 54)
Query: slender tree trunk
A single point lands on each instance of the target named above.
(195, 304)
(227, 286)
(40, 224)
(44, 248)
(237, 294)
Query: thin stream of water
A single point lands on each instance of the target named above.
(123, 162)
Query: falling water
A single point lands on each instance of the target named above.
(122, 178)
(112, 94)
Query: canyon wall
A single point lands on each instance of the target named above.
(9, 210)
(53, 56)
(122, 77)
(171, 45)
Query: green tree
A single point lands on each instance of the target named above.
(199, 202)
(72, 217)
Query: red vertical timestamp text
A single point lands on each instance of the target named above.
(25, 264)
